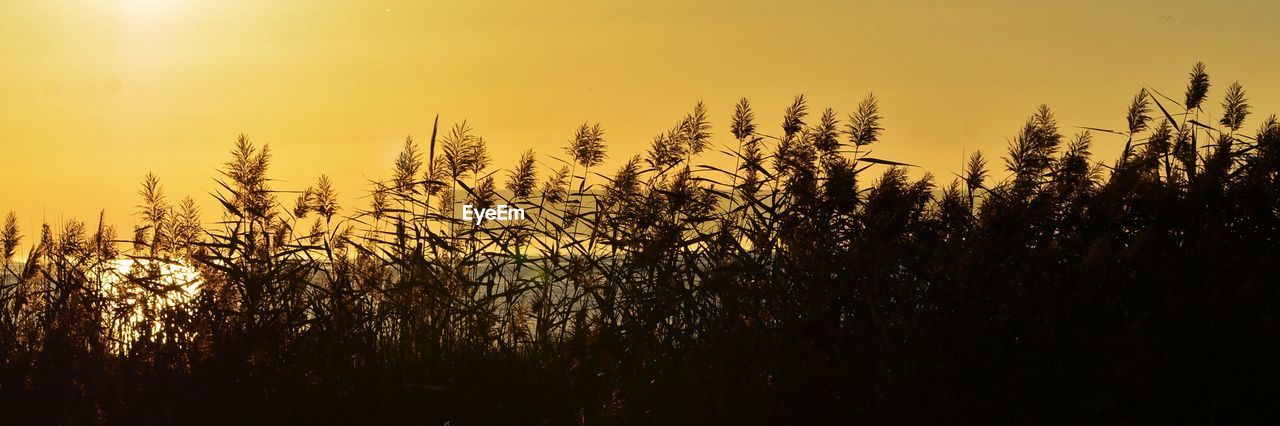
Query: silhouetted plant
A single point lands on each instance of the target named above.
(792, 288)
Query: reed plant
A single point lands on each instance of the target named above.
(811, 283)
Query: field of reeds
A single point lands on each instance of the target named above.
(810, 283)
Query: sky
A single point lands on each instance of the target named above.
(94, 94)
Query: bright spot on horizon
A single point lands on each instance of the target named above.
(174, 286)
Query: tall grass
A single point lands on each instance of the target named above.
(811, 283)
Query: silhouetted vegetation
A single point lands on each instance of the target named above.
(811, 283)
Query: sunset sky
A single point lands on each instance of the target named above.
(95, 94)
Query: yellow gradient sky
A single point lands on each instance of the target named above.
(94, 94)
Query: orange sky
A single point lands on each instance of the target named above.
(94, 94)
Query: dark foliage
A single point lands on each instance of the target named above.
(783, 291)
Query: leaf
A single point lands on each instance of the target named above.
(1101, 130)
(885, 162)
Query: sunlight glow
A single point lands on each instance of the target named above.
(143, 292)
(149, 9)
